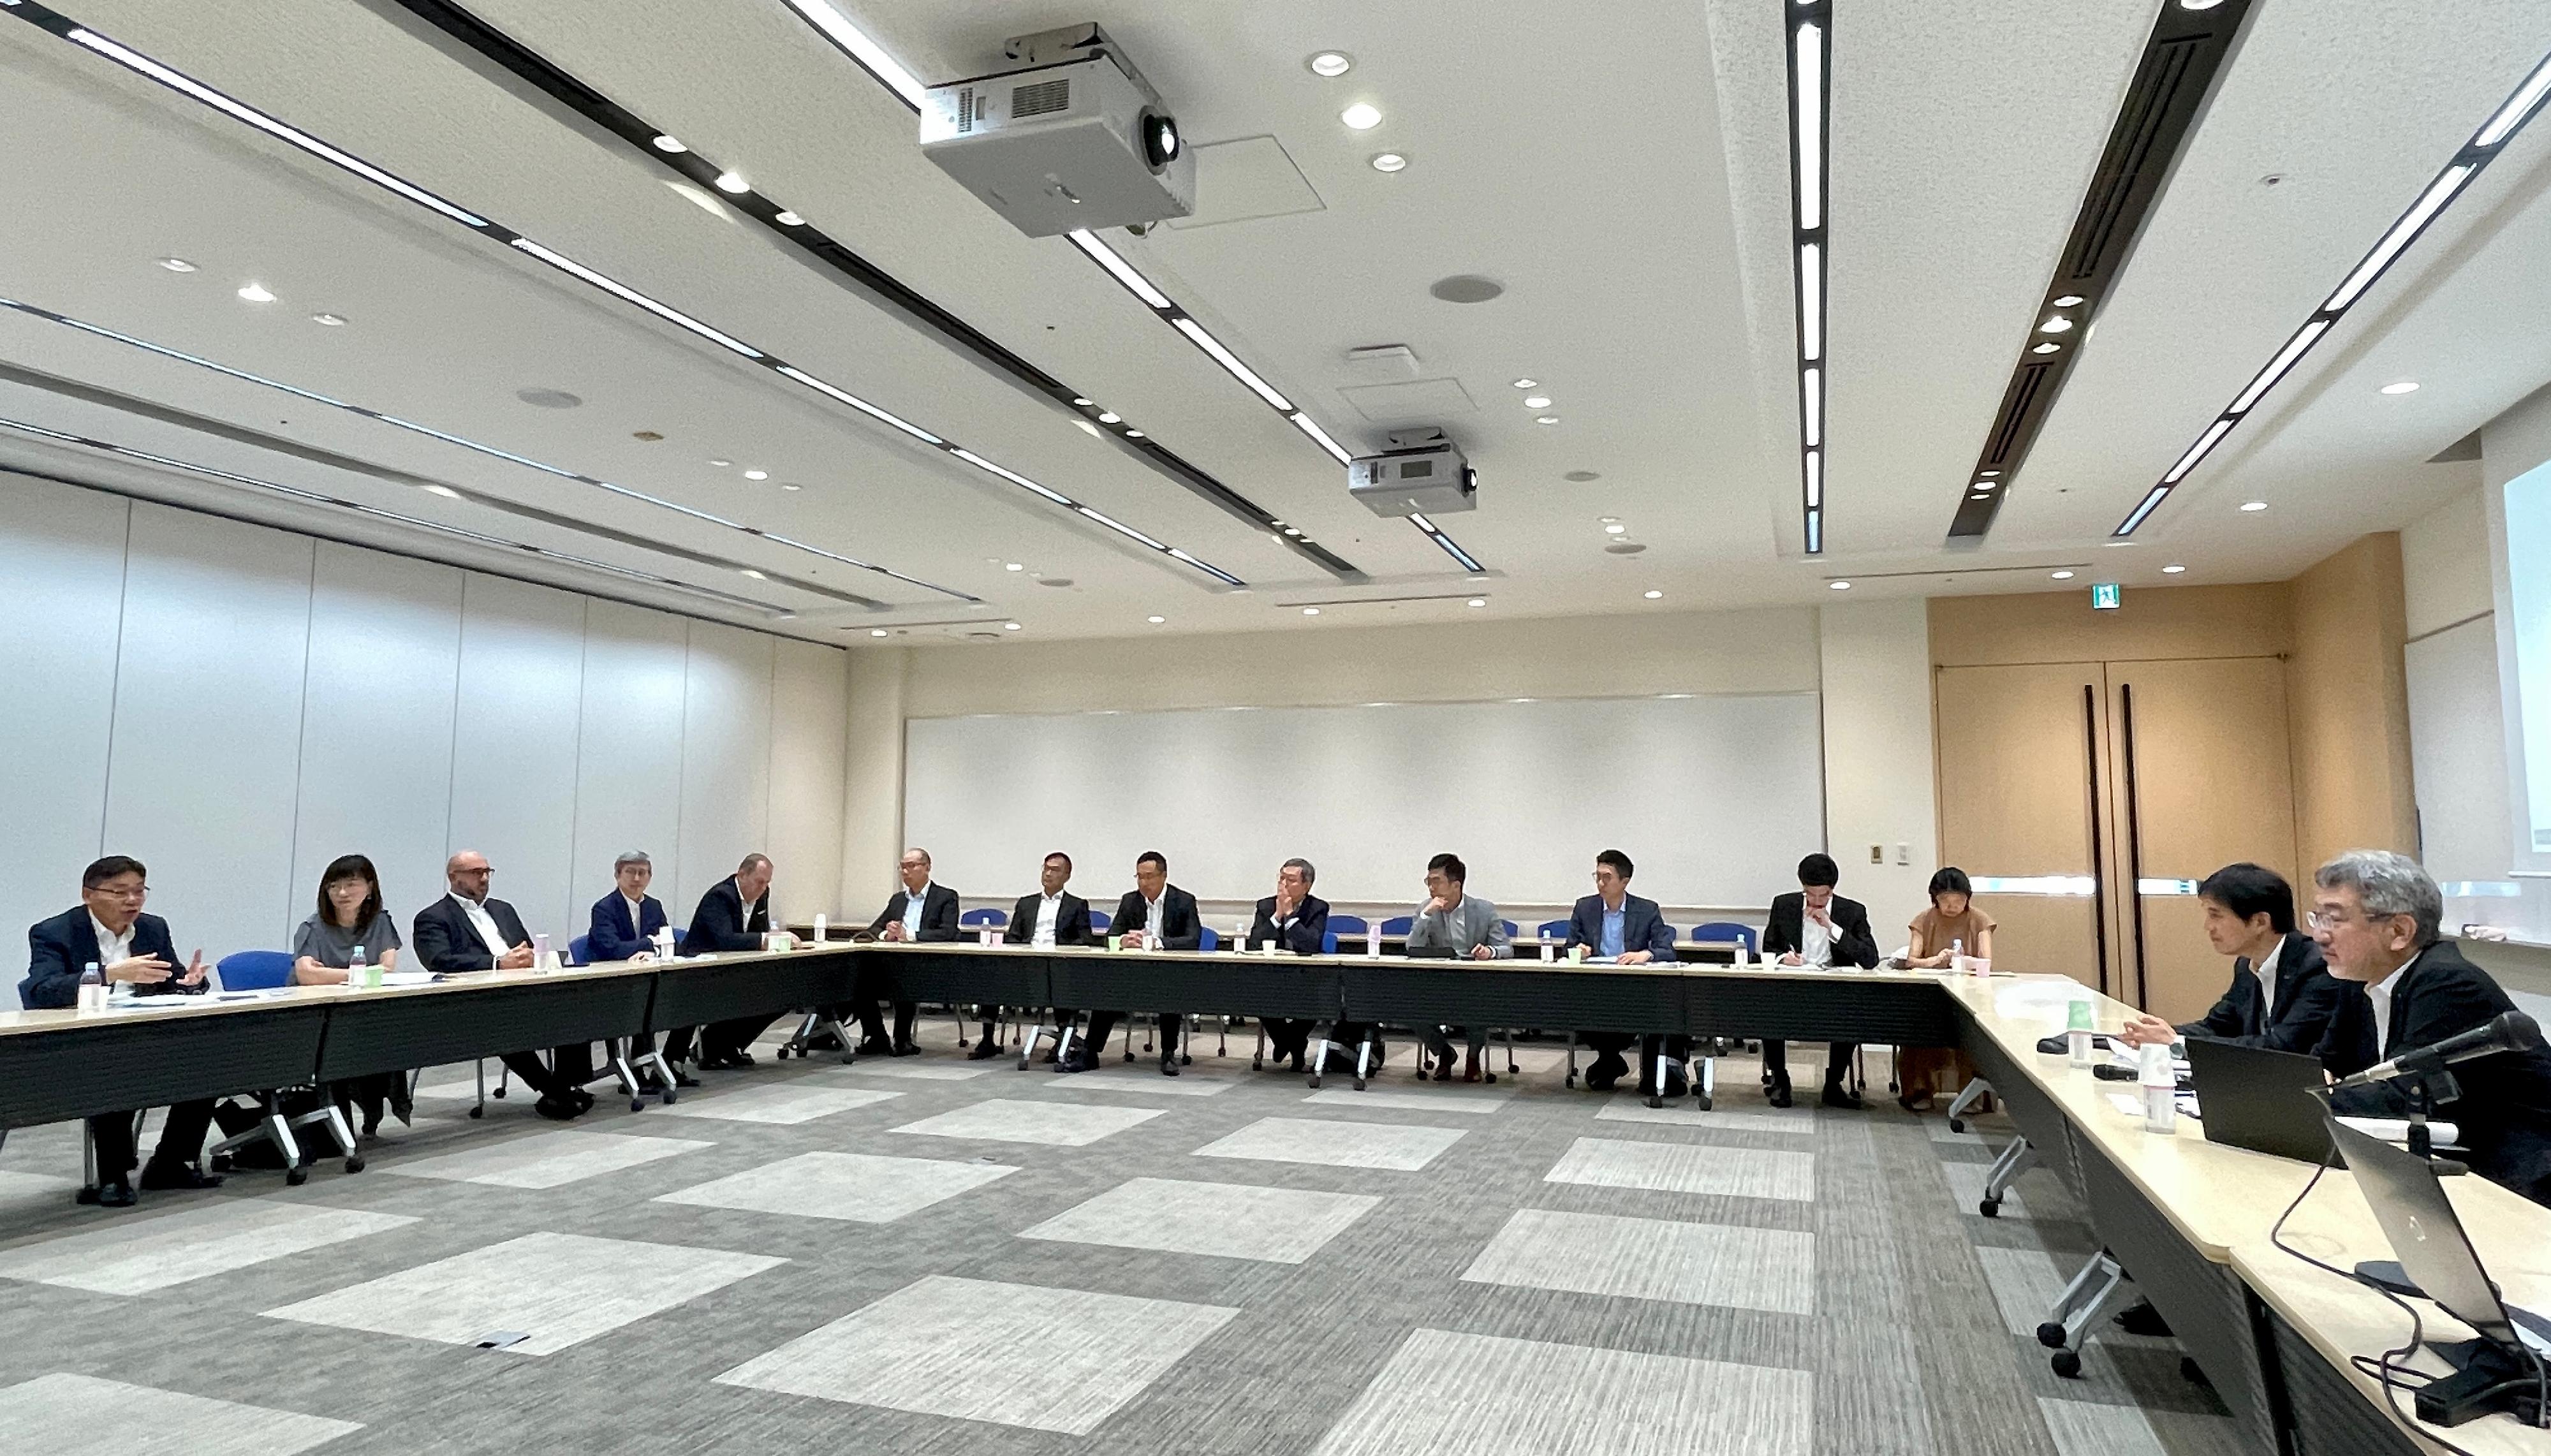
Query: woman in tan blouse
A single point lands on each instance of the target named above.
(1953, 919)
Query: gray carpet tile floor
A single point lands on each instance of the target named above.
(940, 1256)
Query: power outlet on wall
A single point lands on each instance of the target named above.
(1877, 854)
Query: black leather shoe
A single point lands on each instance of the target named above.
(683, 1078)
(2141, 1318)
(874, 1046)
(1839, 1095)
(738, 1058)
(557, 1109)
(1168, 1065)
(984, 1050)
(159, 1177)
(905, 1048)
(1778, 1094)
(583, 1099)
(116, 1196)
(1047, 1056)
(1079, 1060)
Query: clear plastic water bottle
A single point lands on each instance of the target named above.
(361, 971)
(92, 989)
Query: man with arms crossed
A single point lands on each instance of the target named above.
(919, 912)
(1816, 927)
(132, 949)
(1453, 919)
(1153, 912)
(1618, 926)
(1050, 917)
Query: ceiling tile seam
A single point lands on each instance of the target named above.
(2487, 144)
(2182, 64)
(916, 309)
(62, 27)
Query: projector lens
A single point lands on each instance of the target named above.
(1159, 140)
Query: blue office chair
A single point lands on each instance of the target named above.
(978, 920)
(1552, 930)
(1727, 932)
(1341, 925)
(1399, 925)
(1098, 921)
(577, 949)
(1210, 942)
(1509, 928)
(255, 970)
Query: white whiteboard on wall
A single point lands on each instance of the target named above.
(2457, 752)
(1714, 798)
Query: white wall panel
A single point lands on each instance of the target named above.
(376, 724)
(810, 704)
(201, 782)
(726, 755)
(514, 742)
(61, 606)
(628, 772)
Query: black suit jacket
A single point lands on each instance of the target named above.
(1071, 920)
(612, 938)
(58, 951)
(1181, 928)
(938, 915)
(446, 942)
(724, 922)
(2306, 1007)
(2505, 1109)
(1306, 936)
(1785, 930)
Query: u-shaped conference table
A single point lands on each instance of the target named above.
(2190, 1219)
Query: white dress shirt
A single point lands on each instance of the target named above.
(2266, 970)
(484, 924)
(1815, 940)
(913, 903)
(111, 947)
(637, 917)
(1049, 914)
(1152, 918)
(2380, 993)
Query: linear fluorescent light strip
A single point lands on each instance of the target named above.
(2485, 147)
(186, 85)
(623, 491)
(316, 498)
(868, 53)
(1808, 144)
(1451, 547)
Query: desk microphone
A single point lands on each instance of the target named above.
(2512, 1031)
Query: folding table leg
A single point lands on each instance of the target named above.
(1026, 1048)
(1976, 1090)
(2005, 1170)
(2077, 1312)
(1319, 1054)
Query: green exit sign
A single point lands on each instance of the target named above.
(2105, 597)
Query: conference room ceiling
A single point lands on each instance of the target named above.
(1621, 171)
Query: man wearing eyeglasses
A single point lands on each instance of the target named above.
(468, 930)
(109, 931)
(2376, 916)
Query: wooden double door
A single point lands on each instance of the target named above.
(2088, 799)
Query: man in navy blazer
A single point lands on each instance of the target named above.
(734, 916)
(623, 928)
(2282, 997)
(1297, 920)
(919, 911)
(466, 930)
(1627, 931)
(109, 930)
(1051, 916)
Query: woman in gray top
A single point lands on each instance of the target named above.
(323, 949)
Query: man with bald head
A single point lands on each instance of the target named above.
(918, 910)
(735, 916)
(467, 931)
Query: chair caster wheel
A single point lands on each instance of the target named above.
(478, 1112)
(1492, 1077)
(2064, 1363)
(1185, 1060)
(1700, 1101)
(219, 1163)
(353, 1165)
(1957, 1124)
(1571, 1079)
(1129, 1054)
(1358, 1083)
(296, 1176)
(1256, 1064)
(1315, 1082)
(1990, 1208)
(500, 1095)
(637, 1105)
(2051, 1336)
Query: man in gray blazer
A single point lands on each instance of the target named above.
(1455, 921)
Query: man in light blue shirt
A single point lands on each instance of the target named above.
(1627, 931)
(1455, 921)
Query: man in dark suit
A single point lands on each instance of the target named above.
(1816, 927)
(734, 916)
(467, 931)
(2282, 997)
(1153, 912)
(920, 911)
(1052, 916)
(1297, 920)
(1623, 928)
(2376, 917)
(623, 928)
(109, 931)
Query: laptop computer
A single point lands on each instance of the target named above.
(2263, 1100)
(2437, 1256)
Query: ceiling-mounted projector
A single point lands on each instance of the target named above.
(1073, 138)
(1422, 473)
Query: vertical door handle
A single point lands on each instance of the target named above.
(2099, 866)
(2134, 837)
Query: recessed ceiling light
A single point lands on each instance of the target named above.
(791, 486)
(1081, 402)
(1360, 117)
(1653, 595)
(2404, 386)
(256, 294)
(1527, 383)
(1987, 474)
(1614, 529)
(1155, 621)
(1009, 626)
(1329, 64)
(1983, 485)
(2173, 570)
(2254, 505)
(2198, 4)
(733, 182)
(1838, 585)
(1110, 417)
(876, 631)
(1389, 161)
(332, 320)
(1133, 433)
(1478, 602)
(757, 474)
(721, 463)
(2056, 325)
(1536, 401)
(2046, 348)
(1607, 520)
(445, 491)
(2068, 300)
(669, 146)
(755, 575)
(1292, 530)
(2061, 575)
(789, 220)
(177, 266)
(1310, 611)
(1546, 419)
